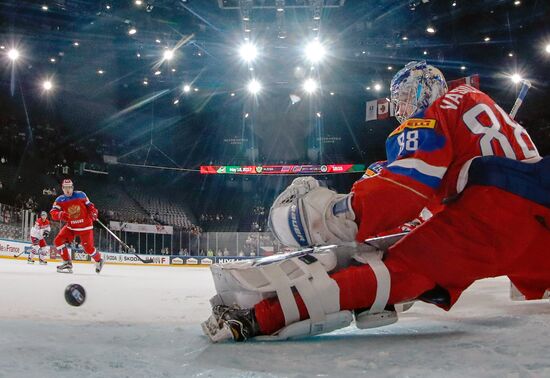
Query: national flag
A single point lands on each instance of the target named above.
(383, 109)
(372, 110)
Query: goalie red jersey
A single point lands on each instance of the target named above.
(429, 157)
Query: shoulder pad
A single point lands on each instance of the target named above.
(79, 194)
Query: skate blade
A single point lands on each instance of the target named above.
(65, 271)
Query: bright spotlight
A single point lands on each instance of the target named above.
(138, 2)
(157, 73)
(187, 88)
(310, 86)
(44, 8)
(487, 39)
(430, 29)
(377, 87)
(13, 54)
(516, 78)
(315, 51)
(168, 54)
(547, 48)
(254, 86)
(462, 68)
(47, 85)
(132, 31)
(248, 52)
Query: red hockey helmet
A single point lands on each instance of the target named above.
(67, 183)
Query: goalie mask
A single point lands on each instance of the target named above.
(414, 88)
(306, 214)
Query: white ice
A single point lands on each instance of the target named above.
(143, 321)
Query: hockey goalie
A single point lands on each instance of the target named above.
(456, 152)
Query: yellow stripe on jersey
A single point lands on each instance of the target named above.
(414, 123)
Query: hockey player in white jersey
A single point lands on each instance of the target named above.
(39, 233)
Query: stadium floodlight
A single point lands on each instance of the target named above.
(377, 87)
(462, 68)
(310, 86)
(547, 48)
(44, 8)
(13, 54)
(47, 85)
(132, 31)
(168, 54)
(248, 52)
(516, 78)
(487, 39)
(138, 2)
(430, 29)
(254, 86)
(315, 51)
(187, 88)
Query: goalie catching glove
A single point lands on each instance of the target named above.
(306, 214)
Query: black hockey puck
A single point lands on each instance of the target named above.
(75, 295)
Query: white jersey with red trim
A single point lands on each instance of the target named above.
(40, 226)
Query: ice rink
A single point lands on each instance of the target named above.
(143, 321)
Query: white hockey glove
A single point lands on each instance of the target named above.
(306, 214)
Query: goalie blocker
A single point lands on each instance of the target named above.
(243, 284)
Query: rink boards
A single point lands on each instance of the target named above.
(11, 248)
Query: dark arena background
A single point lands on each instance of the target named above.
(182, 120)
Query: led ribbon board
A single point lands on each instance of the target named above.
(291, 169)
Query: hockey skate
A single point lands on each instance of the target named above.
(66, 267)
(99, 266)
(30, 260)
(230, 323)
(42, 261)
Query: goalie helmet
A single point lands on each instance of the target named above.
(415, 87)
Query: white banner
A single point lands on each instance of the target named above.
(119, 258)
(143, 228)
(10, 248)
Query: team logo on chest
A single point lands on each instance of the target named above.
(74, 211)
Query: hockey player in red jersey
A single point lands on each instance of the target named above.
(39, 233)
(75, 209)
(457, 149)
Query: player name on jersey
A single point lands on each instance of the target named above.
(281, 169)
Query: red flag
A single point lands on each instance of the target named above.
(383, 109)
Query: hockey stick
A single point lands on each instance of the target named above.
(145, 261)
(19, 254)
(525, 85)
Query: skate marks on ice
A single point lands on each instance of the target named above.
(144, 322)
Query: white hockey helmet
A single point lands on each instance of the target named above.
(415, 87)
(43, 215)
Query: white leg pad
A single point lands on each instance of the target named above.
(246, 283)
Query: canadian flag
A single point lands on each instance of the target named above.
(383, 108)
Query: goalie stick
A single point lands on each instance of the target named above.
(525, 85)
(145, 261)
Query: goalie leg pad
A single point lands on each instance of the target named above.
(332, 322)
(247, 283)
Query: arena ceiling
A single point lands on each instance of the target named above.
(106, 65)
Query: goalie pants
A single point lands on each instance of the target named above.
(487, 232)
(66, 235)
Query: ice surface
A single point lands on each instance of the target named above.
(143, 321)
